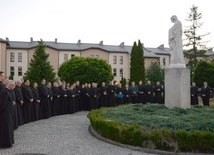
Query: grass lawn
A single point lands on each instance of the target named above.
(156, 116)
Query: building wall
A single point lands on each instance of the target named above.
(148, 61)
(23, 64)
(3, 57)
(69, 53)
(96, 53)
(124, 65)
(161, 60)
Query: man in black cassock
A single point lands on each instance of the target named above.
(88, 92)
(19, 102)
(28, 102)
(111, 95)
(2, 76)
(149, 92)
(133, 89)
(158, 89)
(141, 96)
(194, 94)
(36, 102)
(78, 95)
(205, 94)
(64, 100)
(15, 114)
(56, 99)
(103, 95)
(50, 98)
(6, 116)
(126, 94)
(94, 104)
(43, 94)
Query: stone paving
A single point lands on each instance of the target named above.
(62, 135)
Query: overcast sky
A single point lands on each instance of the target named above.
(112, 21)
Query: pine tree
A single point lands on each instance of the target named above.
(40, 67)
(155, 73)
(137, 69)
(194, 40)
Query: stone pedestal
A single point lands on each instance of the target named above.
(177, 88)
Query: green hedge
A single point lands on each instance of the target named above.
(162, 139)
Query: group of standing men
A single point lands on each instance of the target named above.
(20, 104)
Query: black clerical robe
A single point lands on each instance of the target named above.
(111, 95)
(6, 118)
(71, 101)
(94, 104)
(78, 98)
(158, 94)
(141, 96)
(126, 95)
(64, 101)
(56, 101)
(36, 104)
(194, 95)
(15, 115)
(19, 103)
(103, 96)
(45, 106)
(149, 93)
(28, 105)
(205, 94)
(1, 86)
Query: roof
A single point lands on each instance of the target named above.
(4, 41)
(148, 52)
(162, 51)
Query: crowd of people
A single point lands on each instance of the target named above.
(21, 104)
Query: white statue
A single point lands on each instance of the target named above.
(175, 44)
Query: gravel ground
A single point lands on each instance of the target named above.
(62, 135)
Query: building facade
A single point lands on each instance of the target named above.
(16, 56)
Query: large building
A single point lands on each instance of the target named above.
(16, 55)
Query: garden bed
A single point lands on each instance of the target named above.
(156, 127)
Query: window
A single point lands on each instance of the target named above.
(19, 57)
(164, 61)
(12, 70)
(12, 57)
(72, 55)
(97, 56)
(115, 71)
(19, 71)
(92, 55)
(65, 57)
(121, 59)
(114, 59)
(121, 72)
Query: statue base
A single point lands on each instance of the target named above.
(178, 65)
(177, 88)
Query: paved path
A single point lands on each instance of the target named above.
(62, 135)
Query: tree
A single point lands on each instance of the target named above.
(194, 40)
(204, 71)
(40, 68)
(86, 70)
(137, 69)
(155, 73)
(123, 82)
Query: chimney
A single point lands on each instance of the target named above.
(31, 39)
(55, 40)
(101, 43)
(122, 44)
(79, 42)
(7, 39)
(161, 46)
